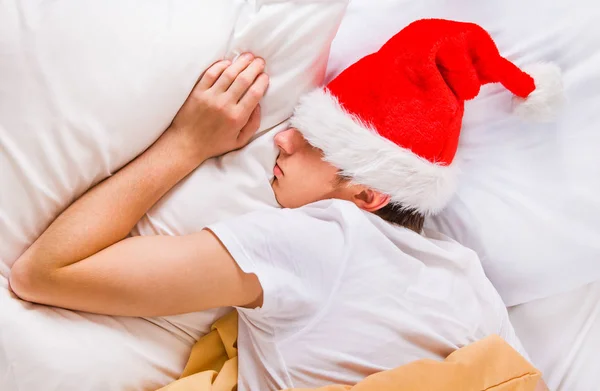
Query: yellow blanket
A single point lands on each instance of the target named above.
(489, 364)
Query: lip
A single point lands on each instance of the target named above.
(277, 171)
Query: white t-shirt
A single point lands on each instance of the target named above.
(347, 294)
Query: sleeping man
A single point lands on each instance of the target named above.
(342, 281)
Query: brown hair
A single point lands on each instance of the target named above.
(396, 214)
(393, 213)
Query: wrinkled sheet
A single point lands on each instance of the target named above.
(561, 334)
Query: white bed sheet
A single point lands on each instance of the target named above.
(44, 348)
(561, 334)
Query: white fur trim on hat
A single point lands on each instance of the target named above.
(370, 159)
(543, 103)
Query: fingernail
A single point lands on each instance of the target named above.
(260, 61)
(247, 56)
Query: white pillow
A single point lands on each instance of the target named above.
(528, 197)
(296, 55)
(88, 85)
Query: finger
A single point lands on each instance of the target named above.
(255, 93)
(250, 128)
(212, 74)
(245, 79)
(229, 75)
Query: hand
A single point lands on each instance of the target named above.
(222, 112)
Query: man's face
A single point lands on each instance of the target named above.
(301, 174)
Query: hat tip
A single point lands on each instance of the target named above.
(543, 104)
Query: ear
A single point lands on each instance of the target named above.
(371, 200)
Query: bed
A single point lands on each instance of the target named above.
(527, 201)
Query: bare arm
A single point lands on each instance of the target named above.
(83, 261)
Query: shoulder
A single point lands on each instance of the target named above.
(340, 212)
(297, 255)
(326, 213)
(311, 230)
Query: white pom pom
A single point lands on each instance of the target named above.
(543, 103)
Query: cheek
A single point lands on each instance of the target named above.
(307, 179)
(317, 174)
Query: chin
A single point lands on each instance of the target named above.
(290, 199)
(274, 186)
(283, 202)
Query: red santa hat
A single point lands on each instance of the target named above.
(392, 120)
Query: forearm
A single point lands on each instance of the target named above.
(149, 276)
(82, 262)
(108, 211)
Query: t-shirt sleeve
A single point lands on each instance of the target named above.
(295, 255)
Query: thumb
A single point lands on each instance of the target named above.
(250, 128)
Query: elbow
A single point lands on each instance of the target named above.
(26, 281)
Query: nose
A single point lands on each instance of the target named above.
(286, 140)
